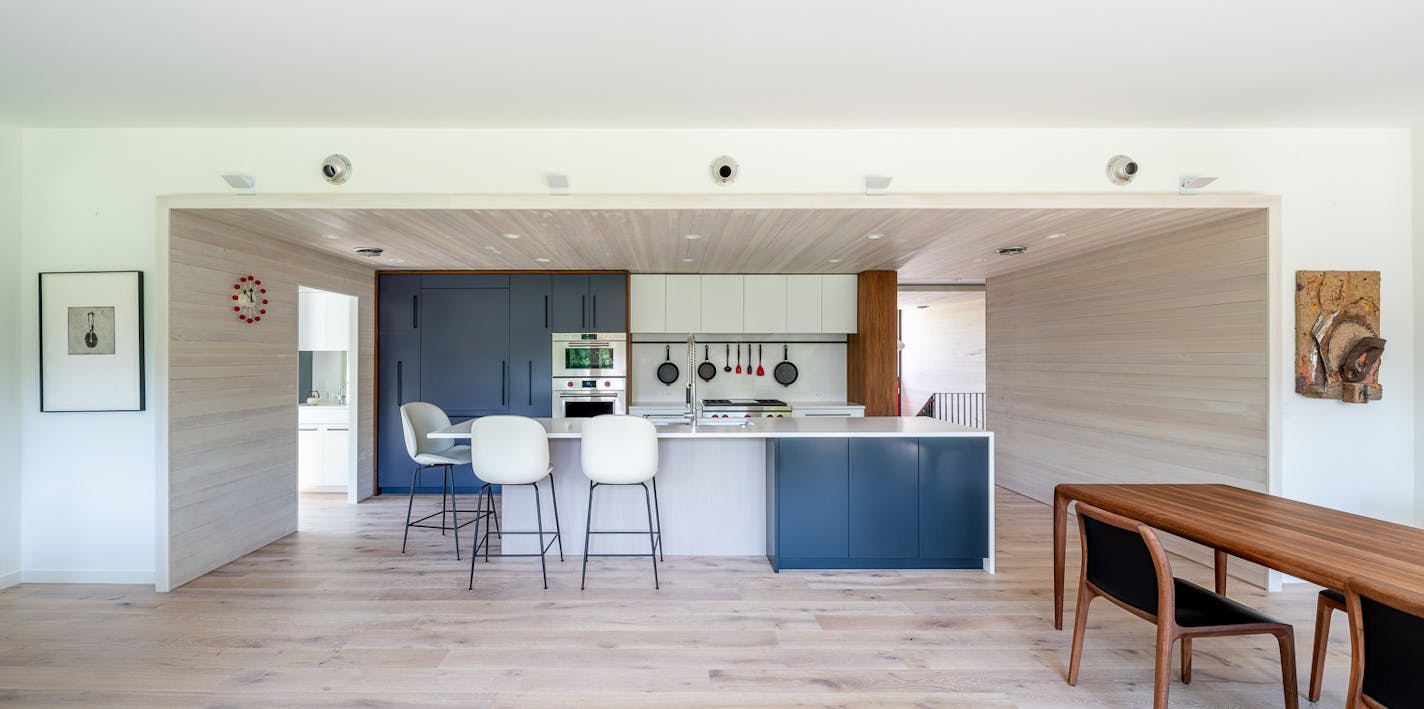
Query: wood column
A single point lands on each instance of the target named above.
(870, 351)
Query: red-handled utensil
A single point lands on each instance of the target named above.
(760, 372)
(739, 358)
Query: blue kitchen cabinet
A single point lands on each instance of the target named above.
(877, 503)
(608, 302)
(399, 375)
(569, 303)
(811, 501)
(884, 498)
(464, 350)
(583, 302)
(530, 345)
(954, 500)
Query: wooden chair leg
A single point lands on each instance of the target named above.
(1162, 675)
(1286, 638)
(1080, 626)
(1186, 660)
(1317, 657)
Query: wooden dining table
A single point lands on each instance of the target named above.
(1317, 544)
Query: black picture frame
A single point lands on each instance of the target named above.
(59, 395)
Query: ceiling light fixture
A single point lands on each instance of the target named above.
(692, 237)
(1121, 169)
(511, 236)
(1058, 235)
(874, 237)
(397, 260)
(877, 184)
(687, 260)
(541, 259)
(1193, 184)
(558, 184)
(244, 184)
(835, 260)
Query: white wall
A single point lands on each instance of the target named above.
(944, 345)
(89, 203)
(1419, 320)
(10, 288)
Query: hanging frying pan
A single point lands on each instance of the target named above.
(785, 371)
(667, 371)
(706, 370)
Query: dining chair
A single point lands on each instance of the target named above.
(1124, 562)
(1326, 604)
(1386, 643)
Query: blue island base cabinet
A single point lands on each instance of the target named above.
(878, 503)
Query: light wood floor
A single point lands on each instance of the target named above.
(336, 616)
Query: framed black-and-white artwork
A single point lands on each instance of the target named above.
(91, 341)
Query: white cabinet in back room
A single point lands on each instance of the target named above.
(684, 303)
(722, 304)
(311, 321)
(335, 456)
(764, 304)
(648, 302)
(838, 303)
(803, 304)
(308, 458)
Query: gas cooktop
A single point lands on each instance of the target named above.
(743, 402)
(744, 408)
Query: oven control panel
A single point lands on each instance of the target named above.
(603, 384)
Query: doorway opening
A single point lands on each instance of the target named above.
(326, 393)
(941, 358)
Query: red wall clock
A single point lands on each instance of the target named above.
(249, 299)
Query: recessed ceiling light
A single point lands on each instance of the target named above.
(541, 259)
(835, 260)
(978, 260)
(1058, 235)
(687, 260)
(397, 260)
(332, 237)
(511, 236)
(692, 237)
(874, 236)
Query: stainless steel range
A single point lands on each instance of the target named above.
(718, 409)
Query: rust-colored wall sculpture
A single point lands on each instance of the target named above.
(1337, 335)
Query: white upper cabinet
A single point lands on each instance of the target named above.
(752, 304)
(311, 321)
(648, 298)
(722, 300)
(323, 321)
(838, 303)
(803, 303)
(684, 304)
(764, 304)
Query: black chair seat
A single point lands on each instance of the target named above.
(1332, 594)
(1197, 607)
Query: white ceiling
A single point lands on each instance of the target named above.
(725, 64)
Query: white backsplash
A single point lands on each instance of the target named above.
(821, 369)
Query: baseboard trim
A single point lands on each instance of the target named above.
(115, 576)
(10, 579)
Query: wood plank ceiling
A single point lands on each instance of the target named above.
(941, 245)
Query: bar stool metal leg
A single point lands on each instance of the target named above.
(475, 550)
(539, 525)
(415, 480)
(558, 534)
(454, 509)
(587, 525)
(658, 512)
(652, 545)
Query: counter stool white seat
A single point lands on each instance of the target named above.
(622, 450)
(418, 420)
(513, 450)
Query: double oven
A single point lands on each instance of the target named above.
(590, 374)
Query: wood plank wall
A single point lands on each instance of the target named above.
(1142, 362)
(232, 412)
(870, 351)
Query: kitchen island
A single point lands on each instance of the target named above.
(875, 492)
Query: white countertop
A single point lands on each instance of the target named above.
(867, 427)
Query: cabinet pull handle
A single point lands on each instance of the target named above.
(595, 311)
(583, 314)
(415, 311)
(531, 382)
(400, 382)
(546, 312)
(504, 382)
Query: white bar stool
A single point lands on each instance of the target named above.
(418, 420)
(622, 450)
(513, 450)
